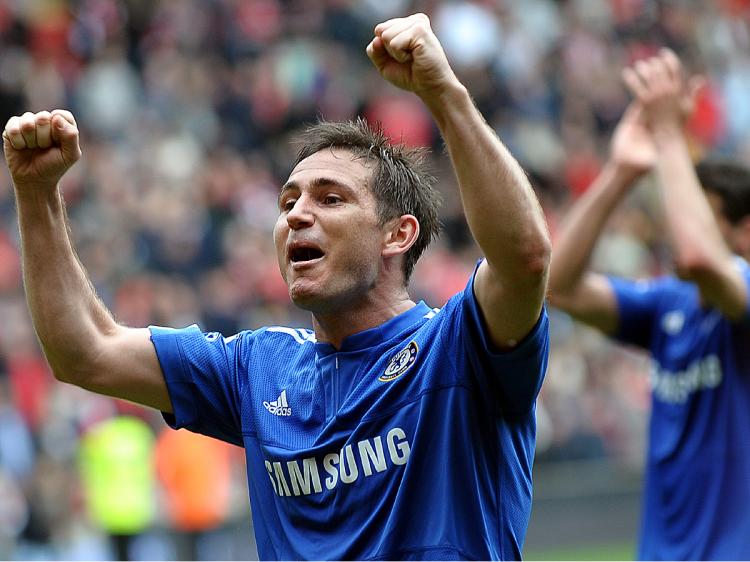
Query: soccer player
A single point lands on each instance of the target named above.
(696, 325)
(392, 430)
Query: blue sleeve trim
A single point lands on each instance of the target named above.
(179, 384)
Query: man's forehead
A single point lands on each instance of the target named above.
(339, 163)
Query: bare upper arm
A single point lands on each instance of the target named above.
(126, 366)
(592, 301)
(510, 310)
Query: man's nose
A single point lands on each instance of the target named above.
(300, 215)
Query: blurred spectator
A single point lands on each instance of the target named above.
(196, 474)
(118, 476)
(17, 453)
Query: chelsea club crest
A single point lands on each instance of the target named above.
(400, 363)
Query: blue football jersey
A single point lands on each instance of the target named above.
(696, 503)
(414, 440)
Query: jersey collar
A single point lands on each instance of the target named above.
(378, 334)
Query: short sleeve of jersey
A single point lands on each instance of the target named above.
(637, 308)
(513, 377)
(202, 380)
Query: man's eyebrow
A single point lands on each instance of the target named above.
(287, 186)
(317, 182)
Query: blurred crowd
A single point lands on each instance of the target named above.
(187, 108)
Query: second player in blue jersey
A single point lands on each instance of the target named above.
(696, 501)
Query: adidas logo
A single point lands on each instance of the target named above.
(279, 407)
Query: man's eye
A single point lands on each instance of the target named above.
(288, 205)
(332, 199)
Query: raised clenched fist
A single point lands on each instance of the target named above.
(40, 147)
(408, 54)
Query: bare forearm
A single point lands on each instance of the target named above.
(501, 208)
(65, 310)
(583, 226)
(696, 239)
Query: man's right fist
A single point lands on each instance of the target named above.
(40, 147)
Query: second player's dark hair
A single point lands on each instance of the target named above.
(731, 182)
(401, 182)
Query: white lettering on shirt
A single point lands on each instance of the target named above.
(353, 461)
(676, 387)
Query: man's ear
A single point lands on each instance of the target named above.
(401, 233)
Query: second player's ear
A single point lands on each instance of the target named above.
(401, 233)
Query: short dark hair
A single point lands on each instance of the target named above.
(731, 182)
(401, 181)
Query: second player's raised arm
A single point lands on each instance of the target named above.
(82, 342)
(573, 287)
(701, 254)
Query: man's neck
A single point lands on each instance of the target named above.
(335, 327)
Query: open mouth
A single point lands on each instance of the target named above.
(302, 255)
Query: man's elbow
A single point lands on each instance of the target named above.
(66, 371)
(532, 272)
(525, 267)
(562, 292)
(559, 285)
(536, 259)
(76, 368)
(694, 266)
